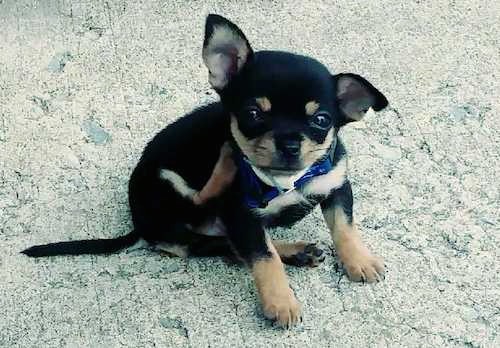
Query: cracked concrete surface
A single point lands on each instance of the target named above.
(84, 85)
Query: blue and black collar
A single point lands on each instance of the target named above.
(258, 194)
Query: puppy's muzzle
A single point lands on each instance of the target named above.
(289, 148)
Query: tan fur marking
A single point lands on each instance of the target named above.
(278, 300)
(222, 176)
(311, 151)
(178, 183)
(359, 263)
(260, 150)
(299, 253)
(311, 107)
(264, 104)
(287, 249)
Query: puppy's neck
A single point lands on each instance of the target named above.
(282, 182)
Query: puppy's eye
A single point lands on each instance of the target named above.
(321, 120)
(255, 113)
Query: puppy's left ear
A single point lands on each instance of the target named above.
(356, 95)
(225, 50)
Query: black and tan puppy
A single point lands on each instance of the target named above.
(274, 139)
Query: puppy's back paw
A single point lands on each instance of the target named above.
(310, 256)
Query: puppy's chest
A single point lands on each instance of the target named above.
(293, 205)
(287, 209)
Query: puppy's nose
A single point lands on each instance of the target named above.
(293, 148)
(290, 147)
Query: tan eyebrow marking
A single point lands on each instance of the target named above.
(264, 103)
(311, 107)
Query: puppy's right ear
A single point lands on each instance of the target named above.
(225, 50)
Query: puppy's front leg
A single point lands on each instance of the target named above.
(278, 300)
(356, 258)
(250, 242)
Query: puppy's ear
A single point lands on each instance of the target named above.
(225, 50)
(356, 95)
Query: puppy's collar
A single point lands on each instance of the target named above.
(257, 194)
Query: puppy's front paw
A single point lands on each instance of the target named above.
(359, 263)
(283, 307)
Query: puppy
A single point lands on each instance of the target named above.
(215, 180)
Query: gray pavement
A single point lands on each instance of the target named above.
(84, 85)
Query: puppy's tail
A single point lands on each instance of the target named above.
(78, 247)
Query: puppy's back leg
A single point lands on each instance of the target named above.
(299, 253)
(222, 176)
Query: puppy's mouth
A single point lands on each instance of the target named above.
(282, 171)
(279, 166)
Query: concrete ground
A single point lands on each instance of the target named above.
(85, 84)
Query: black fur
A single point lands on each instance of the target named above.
(93, 246)
(341, 197)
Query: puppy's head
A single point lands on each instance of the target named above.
(285, 109)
